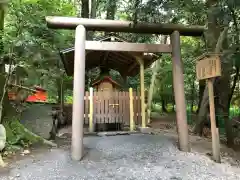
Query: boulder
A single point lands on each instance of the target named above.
(37, 118)
(3, 137)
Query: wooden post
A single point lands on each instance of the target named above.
(215, 140)
(78, 93)
(132, 124)
(141, 63)
(208, 66)
(62, 95)
(178, 84)
(91, 128)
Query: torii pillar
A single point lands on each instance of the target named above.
(78, 93)
(178, 84)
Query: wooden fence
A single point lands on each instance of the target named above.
(119, 107)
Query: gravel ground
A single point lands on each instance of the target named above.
(123, 157)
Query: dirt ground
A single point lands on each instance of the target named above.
(166, 124)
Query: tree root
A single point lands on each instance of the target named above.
(18, 134)
(44, 141)
(2, 163)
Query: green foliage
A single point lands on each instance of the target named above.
(33, 46)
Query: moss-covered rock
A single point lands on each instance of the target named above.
(18, 135)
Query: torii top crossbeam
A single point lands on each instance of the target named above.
(57, 22)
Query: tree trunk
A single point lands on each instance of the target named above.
(2, 12)
(215, 41)
(201, 92)
(237, 40)
(94, 7)
(87, 12)
(151, 89)
(204, 103)
(192, 95)
(93, 15)
(236, 78)
(212, 36)
(7, 110)
(163, 105)
(222, 84)
(85, 9)
(111, 9)
(153, 79)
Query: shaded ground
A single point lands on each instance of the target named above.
(166, 124)
(121, 157)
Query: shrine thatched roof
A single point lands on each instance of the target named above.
(123, 62)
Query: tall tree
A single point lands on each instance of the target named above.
(217, 41)
(111, 7)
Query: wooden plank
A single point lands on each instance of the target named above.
(91, 126)
(111, 110)
(98, 106)
(208, 67)
(106, 110)
(102, 102)
(135, 107)
(127, 110)
(120, 101)
(86, 108)
(139, 108)
(115, 108)
(127, 47)
(95, 106)
(132, 124)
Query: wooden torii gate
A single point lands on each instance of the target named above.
(81, 25)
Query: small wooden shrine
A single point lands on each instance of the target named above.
(105, 82)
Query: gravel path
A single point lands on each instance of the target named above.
(153, 157)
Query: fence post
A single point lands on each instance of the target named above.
(91, 129)
(132, 125)
(143, 109)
